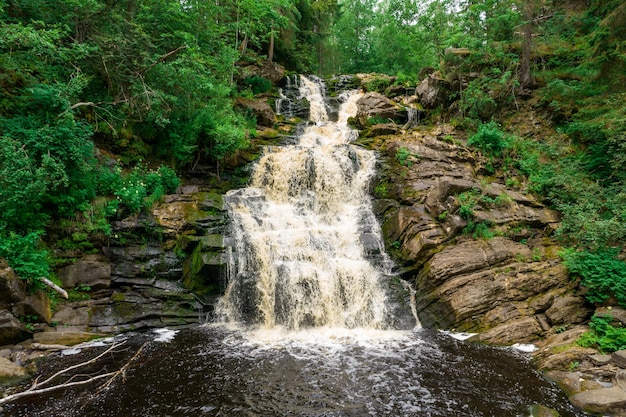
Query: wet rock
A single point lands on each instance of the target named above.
(11, 329)
(568, 309)
(93, 271)
(264, 114)
(65, 337)
(433, 91)
(375, 105)
(611, 401)
(10, 371)
(11, 288)
(147, 262)
(538, 410)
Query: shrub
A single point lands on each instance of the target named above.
(489, 138)
(601, 272)
(603, 335)
(258, 84)
(25, 254)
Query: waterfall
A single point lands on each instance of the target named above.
(308, 250)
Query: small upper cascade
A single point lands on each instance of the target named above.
(313, 89)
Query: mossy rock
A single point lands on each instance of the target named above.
(204, 271)
(66, 338)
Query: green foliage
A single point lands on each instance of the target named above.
(603, 335)
(137, 189)
(377, 120)
(405, 157)
(479, 230)
(468, 201)
(381, 190)
(258, 84)
(377, 84)
(601, 272)
(25, 254)
(489, 138)
(484, 95)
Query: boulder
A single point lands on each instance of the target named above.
(266, 69)
(12, 331)
(69, 315)
(521, 330)
(604, 401)
(619, 358)
(11, 287)
(433, 91)
(560, 350)
(438, 199)
(418, 233)
(568, 309)
(265, 115)
(10, 371)
(538, 410)
(35, 307)
(93, 271)
(375, 105)
(65, 337)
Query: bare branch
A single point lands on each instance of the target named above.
(51, 284)
(162, 58)
(80, 365)
(38, 387)
(28, 392)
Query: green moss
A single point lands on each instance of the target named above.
(118, 297)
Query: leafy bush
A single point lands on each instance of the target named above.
(489, 138)
(139, 188)
(25, 254)
(404, 156)
(601, 272)
(603, 335)
(258, 84)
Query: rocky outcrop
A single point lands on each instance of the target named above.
(264, 114)
(10, 371)
(264, 68)
(19, 308)
(433, 91)
(479, 253)
(374, 105)
(92, 270)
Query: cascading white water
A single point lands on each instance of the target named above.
(303, 230)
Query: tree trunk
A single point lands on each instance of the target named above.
(270, 52)
(526, 78)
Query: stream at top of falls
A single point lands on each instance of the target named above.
(312, 323)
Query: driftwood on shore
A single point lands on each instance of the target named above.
(47, 385)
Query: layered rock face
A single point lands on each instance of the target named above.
(479, 253)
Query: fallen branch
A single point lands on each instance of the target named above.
(55, 287)
(43, 346)
(38, 387)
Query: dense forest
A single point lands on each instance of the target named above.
(102, 102)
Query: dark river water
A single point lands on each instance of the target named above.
(216, 371)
